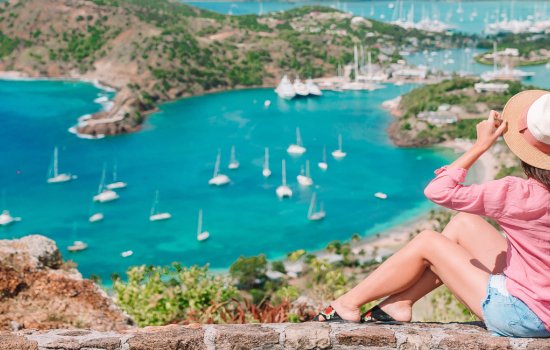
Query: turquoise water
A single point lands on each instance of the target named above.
(446, 11)
(176, 152)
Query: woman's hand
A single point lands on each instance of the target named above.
(488, 131)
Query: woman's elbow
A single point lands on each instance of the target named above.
(436, 196)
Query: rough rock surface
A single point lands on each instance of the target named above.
(274, 336)
(38, 290)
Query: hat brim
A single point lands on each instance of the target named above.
(513, 111)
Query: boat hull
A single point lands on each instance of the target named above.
(61, 178)
(160, 217)
(219, 180)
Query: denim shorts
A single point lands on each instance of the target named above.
(508, 316)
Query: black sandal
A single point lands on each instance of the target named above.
(377, 315)
(330, 315)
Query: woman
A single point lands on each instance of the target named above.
(505, 281)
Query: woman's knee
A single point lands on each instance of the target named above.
(458, 225)
(426, 238)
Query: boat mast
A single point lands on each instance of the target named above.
(266, 160)
(115, 171)
(311, 205)
(102, 183)
(155, 203)
(307, 168)
(217, 166)
(298, 137)
(284, 172)
(55, 162)
(340, 142)
(324, 153)
(232, 160)
(199, 228)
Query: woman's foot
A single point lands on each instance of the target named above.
(346, 312)
(399, 310)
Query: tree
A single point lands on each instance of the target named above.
(250, 272)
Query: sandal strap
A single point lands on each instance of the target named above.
(329, 314)
(376, 314)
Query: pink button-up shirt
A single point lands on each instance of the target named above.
(522, 208)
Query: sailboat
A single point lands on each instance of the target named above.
(104, 194)
(116, 184)
(201, 236)
(285, 89)
(218, 179)
(233, 162)
(284, 191)
(6, 218)
(77, 246)
(155, 214)
(296, 149)
(312, 88)
(381, 195)
(323, 165)
(53, 174)
(95, 216)
(299, 87)
(339, 154)
(266, 172)
(312, 214)
(127, 253)
(304, 179)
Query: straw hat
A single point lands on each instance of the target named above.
(528, 134)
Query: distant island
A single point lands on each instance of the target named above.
(155, 51)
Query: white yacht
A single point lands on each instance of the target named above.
(283, 191)
(506, 73)
(127, 253)
(323, 165)
(300, 88)
(201, 235)
(304, 179)
(77, 246)
(312, 213)
(104, 194)
(53, 174)
(285, 89)
(233, 162)
(296, 149)
(116, 184)
(6, 218)
(96, 217)
(339, 153)
(266, 172)
(381, 195)
(312, 88)
(156, 215)
(218, 179)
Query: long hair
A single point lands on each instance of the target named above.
(541, 175)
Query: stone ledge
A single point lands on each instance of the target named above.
(340, 336)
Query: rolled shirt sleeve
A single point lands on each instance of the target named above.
(447, 190)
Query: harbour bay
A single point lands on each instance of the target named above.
(175, 153)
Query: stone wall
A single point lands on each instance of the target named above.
(273, 336)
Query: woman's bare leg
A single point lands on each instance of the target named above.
(471, 232)
(429, 255)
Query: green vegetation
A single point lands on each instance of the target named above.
(528, 45)
(161, 295)
(457, 91)
(7, 45)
